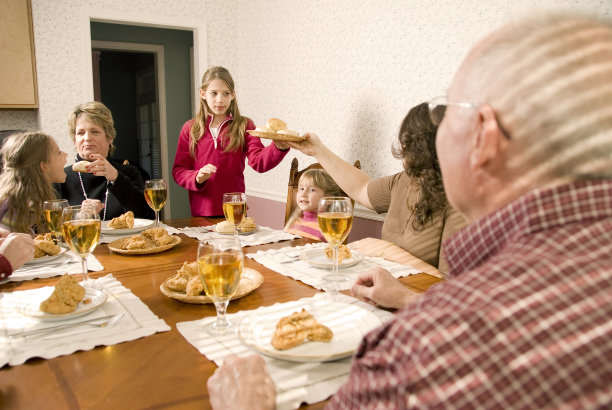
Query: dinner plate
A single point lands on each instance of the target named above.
(251, 232)
(116, 246)
(97, 298)
(276, 136)
(139, 225)
(318, 258)
(249, 281)
(348, 322)
(45, 259)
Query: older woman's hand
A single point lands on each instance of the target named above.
(242, 383)
(93, 203)
(378, 287)
(101, 167)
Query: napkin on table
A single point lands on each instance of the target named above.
(69, 263)
(137, 321)
(262, 236)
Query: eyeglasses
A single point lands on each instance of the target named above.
(437, 108)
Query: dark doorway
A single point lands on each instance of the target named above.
(127, 86)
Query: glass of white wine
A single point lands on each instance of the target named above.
(156, 192)
(234, 208)
(81, 230)
(335, 215)
(52, 209)
(220, 264)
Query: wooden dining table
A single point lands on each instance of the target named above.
(159, 371)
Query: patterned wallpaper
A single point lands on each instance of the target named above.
(346, 70)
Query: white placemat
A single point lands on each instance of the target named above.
(295, 382)
(106, 238)
(69, 263)
(286, 261)
(262, 236)
(137, 321)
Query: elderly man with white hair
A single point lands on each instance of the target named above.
(525, 317)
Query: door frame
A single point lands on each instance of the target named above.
(158, 52)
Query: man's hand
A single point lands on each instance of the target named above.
(242, 383)
(205, 172)
(17, 248)
(378, 287)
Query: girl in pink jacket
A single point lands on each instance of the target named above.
(213, 146)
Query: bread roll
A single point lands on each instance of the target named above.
(275, 124)
(263, 129)
(80, 166)
(290, 133)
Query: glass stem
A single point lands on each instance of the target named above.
(335, 259)
(84, 266)
(221, 311)
(157, 219)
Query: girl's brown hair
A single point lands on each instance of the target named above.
(22, 182)
(237, 126)
(417, 148)
(97, 113)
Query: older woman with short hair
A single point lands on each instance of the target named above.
(113, 186)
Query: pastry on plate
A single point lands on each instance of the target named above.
(65, 297)
(247, 225)
(80, 166)
(295, 329)
(275, 124)
(125, 221)
(343, 253)
(44, 246)
(149, 238)
(187, 279)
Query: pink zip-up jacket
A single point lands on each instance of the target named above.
(206, 199)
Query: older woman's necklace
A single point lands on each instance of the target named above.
(105, 195)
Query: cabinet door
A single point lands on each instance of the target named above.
(17, 61)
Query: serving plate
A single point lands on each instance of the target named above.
(116, 246)
(45, 259)
(139, 225)
(276, 136)
(96, 297)
(348, 322)
(249, 281)
(252, 231)
(318, 258)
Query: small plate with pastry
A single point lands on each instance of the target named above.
(276, 129)
(45, 250)
(187, 287)
(67, 300)
(314, 331)
(322, 257)
(246, 227)
(126, 224)
(81, 166)
(153, 240)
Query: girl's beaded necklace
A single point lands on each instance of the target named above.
(105, 195)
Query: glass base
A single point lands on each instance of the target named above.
(337, 277)
(220, 328)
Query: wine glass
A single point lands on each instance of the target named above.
(220, 263)
(234, 208)
(155, 193)
(335, 215)
(81, 230)
(52, 209)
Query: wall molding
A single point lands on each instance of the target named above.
(360, 211)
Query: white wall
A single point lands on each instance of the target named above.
(347, 70)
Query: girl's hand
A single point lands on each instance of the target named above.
(281, 145)
(379, 288)
(310, 146)
(102, 168)
(205, 173)
(94, 203)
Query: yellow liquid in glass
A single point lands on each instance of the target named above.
(220, 274)
(156, 197)
(81, 235)
(335, 226)
(234, 212)
(53, 217)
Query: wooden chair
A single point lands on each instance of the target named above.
(294, 178)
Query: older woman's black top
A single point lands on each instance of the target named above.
(125, 194)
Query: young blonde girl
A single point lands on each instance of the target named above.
(313, 185)
(213, 146)
(31, 163)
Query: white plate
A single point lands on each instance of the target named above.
(45, 259)
(97, 297)
(239, 232)
(139, 225)
(349, 323)
(318, 258)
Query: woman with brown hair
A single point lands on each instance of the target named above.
(419, 217)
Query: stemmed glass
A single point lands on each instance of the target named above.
(81, 229)
(335, 215)
(52, 210)
(234, 208)
(156, 192)
(220, 264)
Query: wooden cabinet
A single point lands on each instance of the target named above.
(18, 87)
